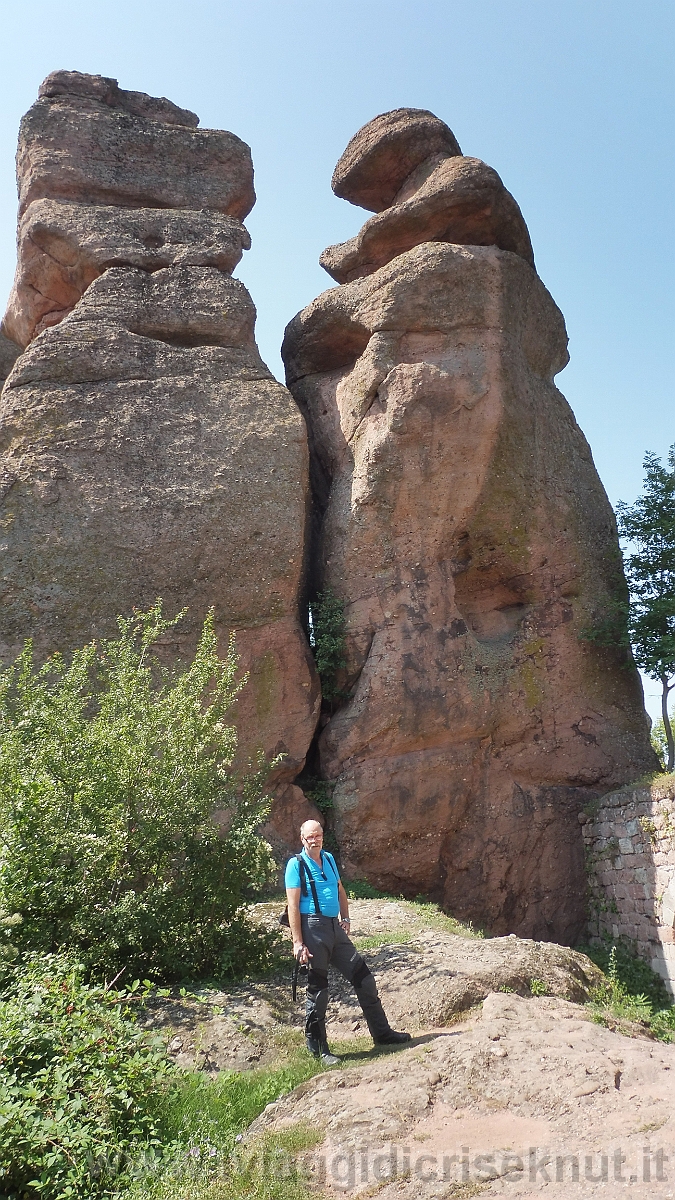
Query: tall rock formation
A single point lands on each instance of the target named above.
(461, 520)
(145, 449)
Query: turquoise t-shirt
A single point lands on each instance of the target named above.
(326, 883)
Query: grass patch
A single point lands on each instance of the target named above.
(431, 915)
(207, 1119)
(375, 940)
(424, 912)
(360, 889)
(264, 1168)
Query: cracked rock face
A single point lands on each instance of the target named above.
(460, 518)
(145, 448)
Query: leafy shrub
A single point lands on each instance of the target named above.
(659, 740)
(612, 996)
(632, 991)
(110, 771)
(662, 1025)
(82, 1088)
(327, 638)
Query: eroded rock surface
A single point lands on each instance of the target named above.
(530, 1097)
(407, 166)
(63, 247)
(427, 978)
(462, 522)
(9, 352)
(146, 450)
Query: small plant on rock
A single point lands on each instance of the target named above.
(538, 987)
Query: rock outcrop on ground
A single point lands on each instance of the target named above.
(430, 971)
(459, 517)
(145, 448)
(482, 1102)
(527, 1097)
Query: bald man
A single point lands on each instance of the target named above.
(318, 915)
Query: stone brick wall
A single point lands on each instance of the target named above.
(630, 855)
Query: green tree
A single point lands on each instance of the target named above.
(649, 527)
(111, 770)
(327, 639)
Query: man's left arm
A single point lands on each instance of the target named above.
(344, 908)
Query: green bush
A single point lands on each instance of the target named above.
(633, 974)
(631, 991)
(613, 997)
(662, 1025)
(82, 1088)
(111, 769)
(320, 792)
(659, 740)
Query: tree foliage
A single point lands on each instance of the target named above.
(111, 769)
(327, 638)
(649, 527)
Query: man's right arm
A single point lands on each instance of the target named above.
(293, 898)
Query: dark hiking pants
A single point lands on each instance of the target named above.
(328, 943)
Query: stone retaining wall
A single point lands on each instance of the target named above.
(630, 855)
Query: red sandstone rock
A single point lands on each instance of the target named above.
(9, 352)
(85, 140)
(383, 153)
(145, 449)
(466, 530)
(62, 248)
(459, 200)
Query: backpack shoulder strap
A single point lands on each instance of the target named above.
(327, 855)
(304, 876)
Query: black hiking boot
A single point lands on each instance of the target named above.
(317, 1044)
(391, 1038)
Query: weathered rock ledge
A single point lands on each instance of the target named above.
(145, 448)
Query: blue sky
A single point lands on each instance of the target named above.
(570, 100)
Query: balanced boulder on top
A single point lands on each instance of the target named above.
(408, 167)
